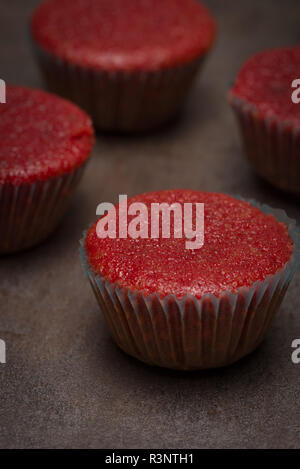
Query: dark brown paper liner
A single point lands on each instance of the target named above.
(272, 147)
(29, 212)
(190, 333)
(120, 101)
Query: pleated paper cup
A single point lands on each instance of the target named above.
(120, 101)
(191, 333)
(271, 146)
(29, 212)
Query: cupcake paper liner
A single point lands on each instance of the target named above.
(272, 147)
(191, 333)
(120, 101)
(29, 212)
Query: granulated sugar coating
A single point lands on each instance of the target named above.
(265, 81)
(41, 136)
(124, 35)
(241, 245)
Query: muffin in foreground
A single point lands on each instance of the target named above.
(268, 117)
(194, 308)
(128, 63)
(44, 145)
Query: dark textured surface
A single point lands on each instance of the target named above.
(65, 384)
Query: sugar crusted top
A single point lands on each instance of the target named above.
(41, 136)
(119, 35)
(241, 245)
(265, 82)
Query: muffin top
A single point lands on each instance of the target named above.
(41, 136)
(265, 81)
(241, 245)
(124, 34)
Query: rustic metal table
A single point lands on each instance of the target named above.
(65, 384)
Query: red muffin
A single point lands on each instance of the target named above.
(268, 118)
(194, 308)
(129, 63)
(45, 143)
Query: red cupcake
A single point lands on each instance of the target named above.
(129, 63)
(45, 143)
(194, 308)
(268, 117)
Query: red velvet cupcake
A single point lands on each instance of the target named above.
(194, 308)
(129, 63)
(269, 119)
(45, 143)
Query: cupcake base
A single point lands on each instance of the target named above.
(30, 212)
(120, 101)
(272, 148)
(193, 333)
